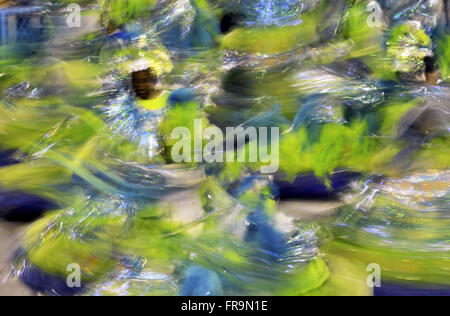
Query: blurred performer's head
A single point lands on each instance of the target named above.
(145, 83)
(432, 72)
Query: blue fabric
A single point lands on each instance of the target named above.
(201, 282)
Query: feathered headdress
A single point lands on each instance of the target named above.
(120, 12)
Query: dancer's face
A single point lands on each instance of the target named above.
(145, 84)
